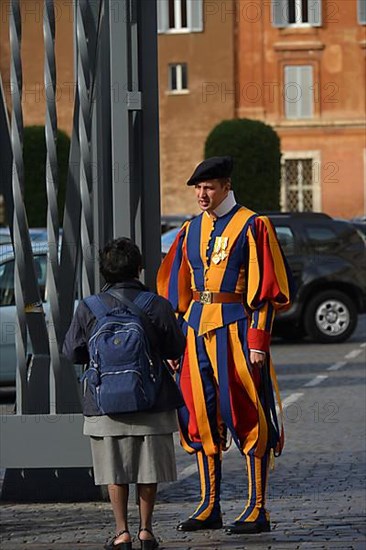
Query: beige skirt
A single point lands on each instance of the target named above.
(133, 459)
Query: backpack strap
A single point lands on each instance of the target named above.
(96, 305)
(142, 300)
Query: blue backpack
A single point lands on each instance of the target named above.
(122, 374)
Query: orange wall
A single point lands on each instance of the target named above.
(342, 190)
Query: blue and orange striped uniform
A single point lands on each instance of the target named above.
(235, 253)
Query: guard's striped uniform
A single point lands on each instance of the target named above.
(235, 253)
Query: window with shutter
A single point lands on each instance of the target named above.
(287, 13)
(180, 16)
(195, 15)
(361, 12)
(298, 91)
(163, 15)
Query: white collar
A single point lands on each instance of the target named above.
(225, 206)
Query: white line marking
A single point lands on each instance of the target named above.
(337, 366)
(363, 345)
(291, 399)
(352, 354)
(315, 381)
(288, 401)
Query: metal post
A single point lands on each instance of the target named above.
(120, 120)
(148, 70)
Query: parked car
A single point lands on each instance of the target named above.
(8, 325)
(7, 304)
(36, 234)
(328, 260)
(171, 221)
(358, 223)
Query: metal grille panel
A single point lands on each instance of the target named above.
(114, 131)
(298, 183)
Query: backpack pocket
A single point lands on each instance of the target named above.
(121, 391)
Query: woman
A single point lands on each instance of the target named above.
(131, 447)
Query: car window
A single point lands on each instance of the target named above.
(7, 293)
(322, 238)
(5, 239)
(286, 239)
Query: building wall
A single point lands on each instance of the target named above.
(32, 52)
(235, 68)
(336, 51)
(187, 118)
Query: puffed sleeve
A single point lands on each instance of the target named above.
(174, 278)
(270, 285)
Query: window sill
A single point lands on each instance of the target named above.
(176, 31)
(298, 46)
(177, 92)
(319, 122)
(300, 29)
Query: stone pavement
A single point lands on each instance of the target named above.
(316, 496)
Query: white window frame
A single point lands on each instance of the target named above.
(194, 17)
(178, 18)
(315, 156)
(280, 14)
(299, 11)
(295, 109)
(179, 77)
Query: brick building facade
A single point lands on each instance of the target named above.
(301, 68)
(196, 53)
(298, 65)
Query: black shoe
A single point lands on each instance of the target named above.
(120, 546)
(192, 524)
(248, 527)
(148, 544)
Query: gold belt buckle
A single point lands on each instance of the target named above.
(206, 297)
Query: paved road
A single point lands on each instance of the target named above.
(317, 493)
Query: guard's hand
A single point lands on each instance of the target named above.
(257, 359)
(174, 364)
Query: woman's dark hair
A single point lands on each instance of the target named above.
(120, 260)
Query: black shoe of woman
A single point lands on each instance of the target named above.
(119, 545)
(148, 544)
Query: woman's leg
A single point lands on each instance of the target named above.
(118, 495)
(147, 495)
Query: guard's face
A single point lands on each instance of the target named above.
(210, 194)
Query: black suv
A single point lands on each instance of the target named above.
(328, 260)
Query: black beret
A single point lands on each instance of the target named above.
(211, 169)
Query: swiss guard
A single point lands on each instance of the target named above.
(226, 276)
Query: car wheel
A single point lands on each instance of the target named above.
(331, 316)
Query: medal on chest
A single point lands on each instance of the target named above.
(219, 251)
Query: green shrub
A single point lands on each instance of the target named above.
(34, 154)
(255, 148)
